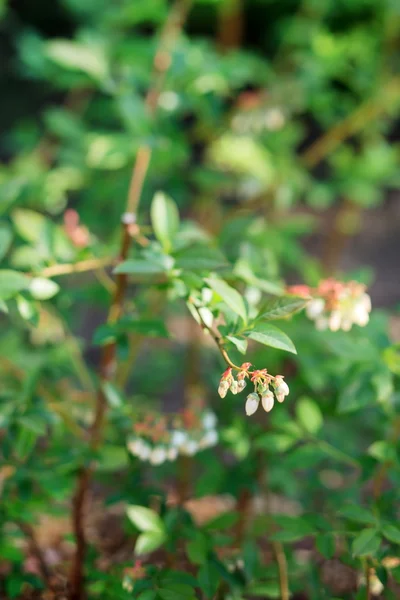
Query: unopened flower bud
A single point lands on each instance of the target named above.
(281, 388)
(335, 320)
(267, 401)
(252, 403)
(223, 388)
(315, 308)
(172, 453)
(234, 387)
(158, 456)
(241, 385)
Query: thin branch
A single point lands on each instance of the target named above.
(91, 264)
(162, 62)
(351, 125)
(36, 551)
(280, 558)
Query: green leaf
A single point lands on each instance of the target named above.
(197, 550)
(147, 595)
(269, 335)
(112, 394)
(309, 415)
(140, 267)
(391, 356)
(177, 591)
(325, 543)
(27, 310)
(12, 282)
(240, 343)
(382, 451)
(391, 533)
(29, 224)
(229, 295)
(200, 258)
(164, 219)
(145, 519)
(78, 56)
(358, 394)
(278, 308)
(224, 521)
(366, 543)
(293, 529)
(5, 239)
(43, 289)
(269, 589)
(209, 578)
(275, 442)
(149, 541)
(359, 514)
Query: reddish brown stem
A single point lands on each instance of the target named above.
(162, 61)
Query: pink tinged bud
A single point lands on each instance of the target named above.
(234, 387)
(252, 403)
(267, 401)
(241, 385)
(223, 388)
(280, 397)
(281, 388)
(315, 308)
(227, 374)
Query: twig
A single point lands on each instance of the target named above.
(91, 264)
(352, 124)
(35, 549)
(162, 62)
(282, 570)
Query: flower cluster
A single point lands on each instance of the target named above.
(262, 381)
(336, 305)
(156, 442)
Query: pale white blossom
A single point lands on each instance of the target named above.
(252, 403)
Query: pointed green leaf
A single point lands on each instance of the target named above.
(240, 343)
(149, 541)
(112, 394)
(229, 295)
(359, 514)
(29, 224)
(5, 239)
(269, 335)
(391, 533)
(12, 282)
(278, 308)
(145, 519)
(164, 219)
(366, 543)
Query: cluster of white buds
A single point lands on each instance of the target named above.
(262, 392)
(262, 381)
(191, 435)
(336, 305)
(228, 382)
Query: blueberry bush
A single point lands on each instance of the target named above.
(193, 405)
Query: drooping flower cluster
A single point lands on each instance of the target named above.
(335, 304)
(156, 441)
(262, 381)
